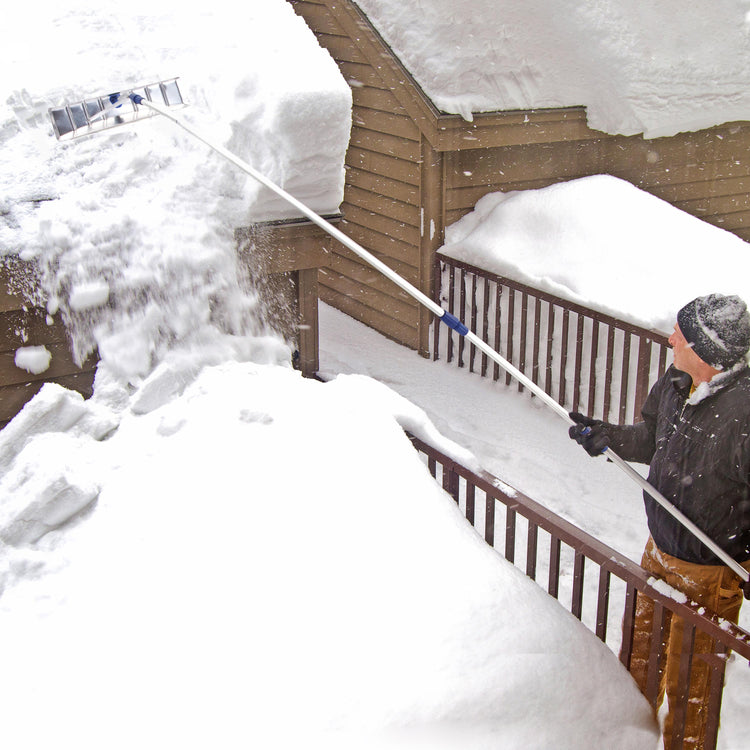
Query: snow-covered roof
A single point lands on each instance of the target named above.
(652, 68)
(145, 207)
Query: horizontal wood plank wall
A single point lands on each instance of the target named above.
(706, 174)
(381, 209)
(24, 324)
(389, 194)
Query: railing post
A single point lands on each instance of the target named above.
(510, 324)
(579, 569)
(562, 395)
(624, 376)
(485, 322)
(628, 625)
(656, 655)
(608, 372)
(718, 664)
(498, 326)
(510, 535)
(531, 550)
(523, 331)
(489, 521)
(577, 365)
(470, 502)
(553, 587)
(461, 312)
(602, 604)
(537, 336)
(679, 711)
(438, 273)
(548, 354)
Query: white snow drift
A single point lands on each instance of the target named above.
(655, 68)
(263, 560)
(601, 242)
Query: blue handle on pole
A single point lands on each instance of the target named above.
(453, 322)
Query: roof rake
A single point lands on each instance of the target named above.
(111, 110)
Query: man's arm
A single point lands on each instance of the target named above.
(635, 442)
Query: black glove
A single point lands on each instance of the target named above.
(590, 433)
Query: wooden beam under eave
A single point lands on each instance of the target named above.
(493, 129)
(447, 132)
(432, 232)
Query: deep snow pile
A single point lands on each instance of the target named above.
(653, 68)
(140, 219)
(603, 243)
(263, 560)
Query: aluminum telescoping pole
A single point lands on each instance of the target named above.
(448, 319)
(619, 462)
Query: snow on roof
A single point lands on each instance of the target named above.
(651, 68)
(602, 242)
(144, 211)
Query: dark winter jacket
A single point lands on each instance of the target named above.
(698, 448)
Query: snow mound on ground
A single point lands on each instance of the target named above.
(559, 238)
(269, 562)
(626, 63)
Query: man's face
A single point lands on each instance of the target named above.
(685, 358)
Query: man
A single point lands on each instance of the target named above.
(695, 435)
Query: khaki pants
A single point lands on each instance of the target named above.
(717, 588)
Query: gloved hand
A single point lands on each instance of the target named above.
(590, 433)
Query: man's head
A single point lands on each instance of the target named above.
(717, 329)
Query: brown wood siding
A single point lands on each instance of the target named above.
(492, 129)
(412, 170)
(381, 208)
(24, 324)
(706, 174)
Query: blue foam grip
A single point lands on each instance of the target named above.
(586, 431)
(453, 322)
(137, 98)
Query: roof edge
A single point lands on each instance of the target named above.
(452, 132)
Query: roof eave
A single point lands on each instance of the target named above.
(451, 132)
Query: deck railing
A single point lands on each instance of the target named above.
(587, 361)
(597, 584)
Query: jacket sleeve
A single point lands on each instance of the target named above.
(637, 442)
(632, 442)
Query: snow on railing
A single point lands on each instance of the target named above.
(586, 360)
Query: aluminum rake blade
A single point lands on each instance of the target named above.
(110, 110)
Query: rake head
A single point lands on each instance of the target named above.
(110, 110)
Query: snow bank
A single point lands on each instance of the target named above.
(175, 585)
(603, 243)
(655, 69)
(140, 219)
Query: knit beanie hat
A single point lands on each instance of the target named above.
(718, 327)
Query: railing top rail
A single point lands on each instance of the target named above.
(653, 334)
(727, 633)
